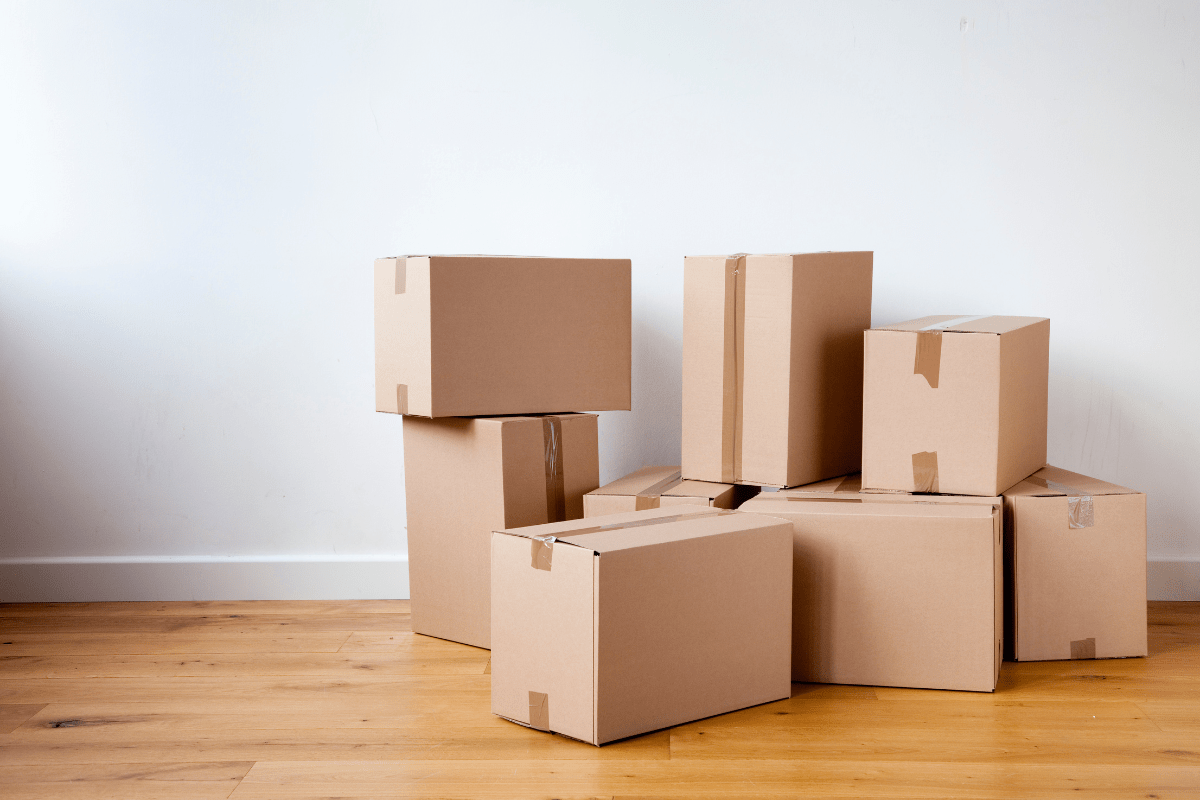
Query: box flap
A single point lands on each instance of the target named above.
(646, 482)
(1054, 482)
(952, 323)
(704, 489)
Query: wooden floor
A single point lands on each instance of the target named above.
(340, 699)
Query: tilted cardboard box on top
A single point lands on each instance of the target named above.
(619, 625)
(955, 405)
(894, 592)
(1075, 551)
(465, 478)
(772, 366)
(463, 336)
(660, 487)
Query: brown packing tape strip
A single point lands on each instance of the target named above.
(656, 489)
(1083, 648)
(925, 471)
(401, 275)
(539, 711)
(639, 523)
(928, 359)
(541, 552)
(734, 368)
(1081, 511)
(556, 497)
(401, 398)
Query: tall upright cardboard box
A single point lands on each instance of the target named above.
(465, 336)
(659, 487)
(772, 366)
(1075, 552)
(894, 593)
(465, 478)
(619, 625)
(955, 405)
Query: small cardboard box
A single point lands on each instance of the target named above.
(633, 622)
(955, 405)
(1075, 552)
(902, 593)
(772, 366)
(465, 478)
(465, 336)
(659, 487)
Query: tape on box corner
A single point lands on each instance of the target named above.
(928, 359)
(734, 370)
(556, 497)
(539, 711)
(541, 552)
(401, 274)
(1081, 511)
(925, 472)
(656, 490)
(401, 398)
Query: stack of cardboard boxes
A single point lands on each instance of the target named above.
(955, 546)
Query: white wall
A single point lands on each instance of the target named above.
(191, 195)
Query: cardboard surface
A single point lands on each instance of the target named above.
(684, 613)
(465, 478)
(655, 487)
(1075, 551)
(848, 488)
(772, 366)
(490, 335)
(955, 411)
(903, 592)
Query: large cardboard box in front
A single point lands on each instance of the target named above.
(894, 593)
(1075, 549)
(463, 479)
(772, 366)
(659, 487)
(629, 623)
(464, 336)
(955, 405)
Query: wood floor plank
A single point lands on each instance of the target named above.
(215, 641)
(257, 624)
(117, 781)
(296, 608)
(724, 778)
(14, 713)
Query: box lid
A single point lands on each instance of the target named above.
(950, 323)
(928, 506)
(1054, 482)
(704, 489)
(641, 528)
(646, 482)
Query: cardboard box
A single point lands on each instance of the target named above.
(955, 405)
(660, 487)
(894, 593)
(633, 622)
(772, 366)
(465, 478)
(1075, 551)
(464, 336)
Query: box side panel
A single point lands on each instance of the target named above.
(449, 539)
(958, 422)
(692, 628)
(831, 308)
(767, 381)
(530, 335)
(1080, 592)
(542, 636)
(1024, 387)
(580, 460)
(402, 336)
(894, 601)
(599, 505)
(707, 358)
(528, 489)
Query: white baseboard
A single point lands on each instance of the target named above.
(66, 580)
(1173, 578)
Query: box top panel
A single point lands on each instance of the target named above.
(952, 323)
(697, 489)
(780, 503)
(647, 481)
(1054, 482)
(477, 256)
(642, 528)
(782, 255)
(522, 417)
(850, 486)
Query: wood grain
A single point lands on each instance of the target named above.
(318, 700)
